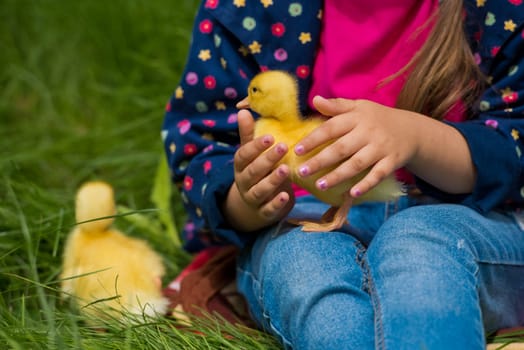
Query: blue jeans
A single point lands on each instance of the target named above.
(403, 276)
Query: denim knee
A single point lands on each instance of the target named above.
(423, 279)
(432, 238)
(307, 285)
(426, 233)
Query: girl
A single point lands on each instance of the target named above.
(432, 91)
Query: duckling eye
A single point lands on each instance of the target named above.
(254, 89)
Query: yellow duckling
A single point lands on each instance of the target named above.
(274, 96)
(108, 272)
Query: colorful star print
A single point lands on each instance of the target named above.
(266, 3)
(304, 38)
(204, 55)
(220, 105)
(255, 47)
(239, 3)
(243, 50)
(179, 93)
(234, 39)
(510, 25)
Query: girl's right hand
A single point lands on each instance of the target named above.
(260, 195)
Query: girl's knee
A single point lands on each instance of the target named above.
(297, 259)
(432, 235)
(431, 224)
(305, 278)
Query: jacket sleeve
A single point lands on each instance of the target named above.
(200, 131)
(495, 134)
(231, 42)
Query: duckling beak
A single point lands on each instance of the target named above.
(243, 104)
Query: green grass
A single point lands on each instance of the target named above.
(83, 90)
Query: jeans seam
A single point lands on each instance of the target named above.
(359, 259)
(255, 283)
(368, 286)
(379, 328)
(265, 315)
(500, 262)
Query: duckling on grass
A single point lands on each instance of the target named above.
(273, 95)
(106, 271)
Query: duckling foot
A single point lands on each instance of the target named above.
(333, 219)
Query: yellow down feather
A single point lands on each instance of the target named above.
(273, 95)
(106, 271)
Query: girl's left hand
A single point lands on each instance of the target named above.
(365, 135)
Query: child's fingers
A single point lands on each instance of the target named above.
(352, 169)
(339, 151)
(377, 174)
(248, 152)
(329, 130)
(262, 191)
(259, 168)
(246, 126)
(365, 169)
(333, 106)
(273, 209)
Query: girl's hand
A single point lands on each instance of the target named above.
(366, 135)
(260, 195)
(371, 136)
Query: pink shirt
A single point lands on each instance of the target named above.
(365, 41)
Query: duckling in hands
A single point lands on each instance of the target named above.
(274, 96)
(106, 271)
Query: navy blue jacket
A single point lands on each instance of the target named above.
(234, 40)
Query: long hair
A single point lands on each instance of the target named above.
(443, 72)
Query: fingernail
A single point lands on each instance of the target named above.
(266, 140)
(281, 149)
(281, 172)
(299, 149)
(357, 192)
(303, 170)
(322, 184)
